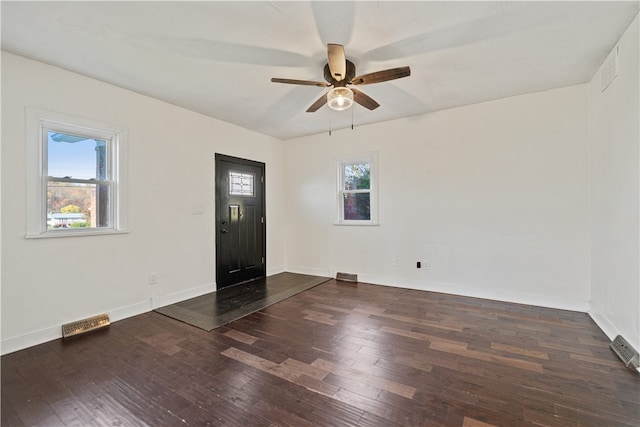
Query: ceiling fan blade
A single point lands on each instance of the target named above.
(365, 100)
(337, 61)
(300, 82)
(319, 103)
(381, 76)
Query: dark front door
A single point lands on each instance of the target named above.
(240, 222)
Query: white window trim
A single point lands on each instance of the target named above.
(36, 121)
(369, 157)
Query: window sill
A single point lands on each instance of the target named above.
(79, 233)
(358, 223)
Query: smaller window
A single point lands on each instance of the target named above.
(357, 201)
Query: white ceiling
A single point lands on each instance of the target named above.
(217, 58)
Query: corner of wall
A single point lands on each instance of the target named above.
(613, 134)
(609, 330)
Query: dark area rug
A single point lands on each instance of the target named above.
(226, 305)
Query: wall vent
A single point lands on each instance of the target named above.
(625, 352)
(85, 325)
(347, 277)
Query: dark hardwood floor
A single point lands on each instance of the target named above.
(336, 355)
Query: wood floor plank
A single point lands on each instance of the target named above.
(392, 415)
(519, 350)
(241, 336)
(366, 379)
(470, 422)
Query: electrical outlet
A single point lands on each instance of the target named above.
(423, 265)
(394, 261)
(153, 278)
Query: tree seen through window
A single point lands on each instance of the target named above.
(356, 194)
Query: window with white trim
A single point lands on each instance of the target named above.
(357, 189)
(76, 176)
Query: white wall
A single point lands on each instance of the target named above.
(49, 282)
(495, 196)
(615, 190)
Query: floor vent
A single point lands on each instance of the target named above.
(625, 352)
(347, 277)
(85, 325)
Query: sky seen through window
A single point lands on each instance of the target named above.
(71, 156)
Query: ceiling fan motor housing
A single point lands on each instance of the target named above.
(351, 73)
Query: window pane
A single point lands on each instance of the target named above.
(357, 176)
(357, 206)
(76, 157)
(72, 205)
(240, 184)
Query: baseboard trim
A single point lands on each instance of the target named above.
(449, 288)
(322, 272)
(20, 342)
(129, 311)
(275, 270)
(174, 297)
(607, 327)
(10, 345)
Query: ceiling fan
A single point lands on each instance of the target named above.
(340, 72)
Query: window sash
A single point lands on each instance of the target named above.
(113, 183)
(78, 180)
(368, 159)
(108, 214)
(345, 165)
(356, 191)
(101, 210)
(95, 135)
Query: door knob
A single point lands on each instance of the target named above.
(224, 230)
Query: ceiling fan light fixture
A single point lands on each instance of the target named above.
(340, 98)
